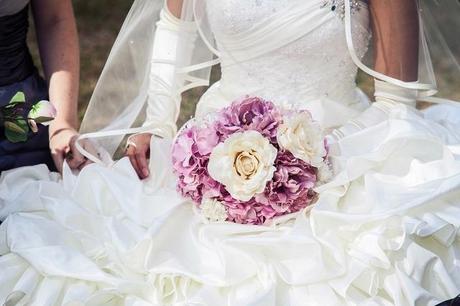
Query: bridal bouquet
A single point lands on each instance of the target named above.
(250, 162)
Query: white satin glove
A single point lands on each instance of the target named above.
(387, 97)
(172, 49)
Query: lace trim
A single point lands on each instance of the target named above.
(338, 6)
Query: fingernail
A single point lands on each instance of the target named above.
(145, 172)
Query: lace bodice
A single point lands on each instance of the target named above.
(313, 62)
(234, 16)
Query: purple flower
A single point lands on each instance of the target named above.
(250, 113)
(190, 156)
(291, 188)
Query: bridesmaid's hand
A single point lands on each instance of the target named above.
(138, 151)
(62, 146)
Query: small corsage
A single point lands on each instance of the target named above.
(17, 125)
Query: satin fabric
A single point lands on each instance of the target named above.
(384, 231)
(288, 57)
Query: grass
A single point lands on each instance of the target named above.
(98, 24)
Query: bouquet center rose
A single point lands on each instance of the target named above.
(250, 162)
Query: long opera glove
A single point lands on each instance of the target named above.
(172, 49)
(387, 97)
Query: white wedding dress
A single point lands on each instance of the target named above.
(383, 232)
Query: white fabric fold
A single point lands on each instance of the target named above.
(387, 97)
(383, 232)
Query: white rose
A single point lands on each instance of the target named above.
(42, 112)
(244, 163)
(303, 137)
(213, 210)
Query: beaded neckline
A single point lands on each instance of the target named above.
(338, 6)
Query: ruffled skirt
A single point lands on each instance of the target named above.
(383, 232)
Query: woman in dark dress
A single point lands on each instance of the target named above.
(58, 44)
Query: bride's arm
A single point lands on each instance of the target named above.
(396, 38)
(175, 7)
(162, 110)
(395, 26)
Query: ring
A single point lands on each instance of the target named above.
(129, 143)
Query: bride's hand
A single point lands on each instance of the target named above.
(138, 151)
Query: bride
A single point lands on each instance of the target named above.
(383, 231)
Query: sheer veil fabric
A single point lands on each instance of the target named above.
(384, 231)
(121, 94)
(122, 91)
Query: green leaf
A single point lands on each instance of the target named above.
(43, 119)
(14, 127)
(16, 131)
(19, 97)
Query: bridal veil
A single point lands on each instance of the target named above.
(117, 106)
